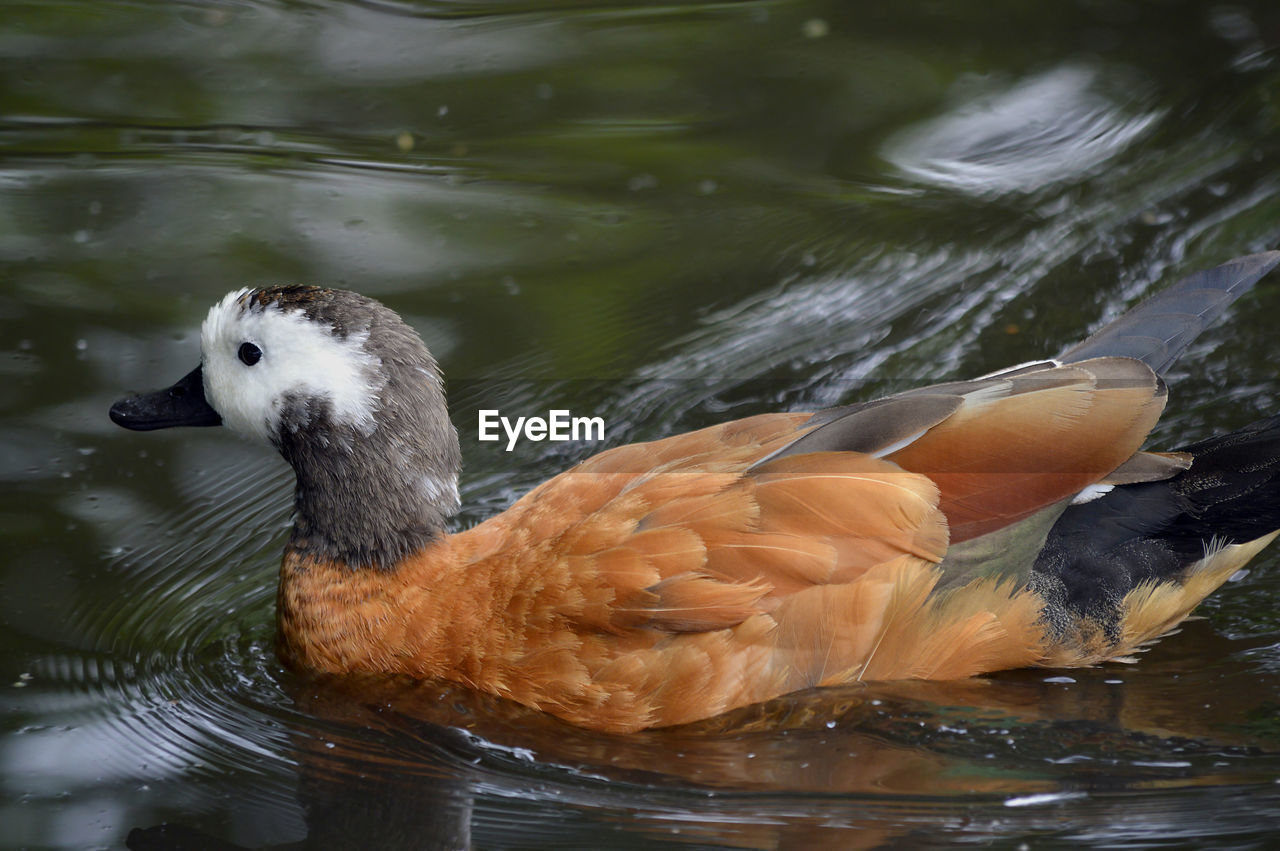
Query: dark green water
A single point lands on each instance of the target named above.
(664, 215)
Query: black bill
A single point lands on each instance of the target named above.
(183, 404)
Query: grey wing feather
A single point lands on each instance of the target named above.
(1159, 329)
(873, 427)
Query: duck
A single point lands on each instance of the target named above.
(949, 531)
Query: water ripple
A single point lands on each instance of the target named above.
(1047, 129)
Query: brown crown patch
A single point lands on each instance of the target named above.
(287, 296)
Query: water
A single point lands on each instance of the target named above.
(663, 215)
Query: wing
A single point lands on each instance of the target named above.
(1003, 448)
(739, 562)
(664, 582)
(1018, 445)
(667, 581)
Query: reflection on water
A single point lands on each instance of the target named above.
(667, 216)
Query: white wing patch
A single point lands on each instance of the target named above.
(1090, 493)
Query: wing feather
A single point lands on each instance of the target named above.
(1043, 437)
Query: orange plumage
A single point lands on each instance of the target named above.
(621, 597)
(661, 583)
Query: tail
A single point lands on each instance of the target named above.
(1159, 329)
(1162, 538)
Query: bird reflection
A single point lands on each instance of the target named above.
(413, 764)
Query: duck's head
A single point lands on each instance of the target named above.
(349, 395)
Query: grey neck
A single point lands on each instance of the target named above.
(371, 500)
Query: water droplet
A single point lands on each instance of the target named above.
(642, 181)
(815, 28)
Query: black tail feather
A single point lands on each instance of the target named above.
(1099, 551)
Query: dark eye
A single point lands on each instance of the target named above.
(249, 354)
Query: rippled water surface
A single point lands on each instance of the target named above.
(664, 215)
